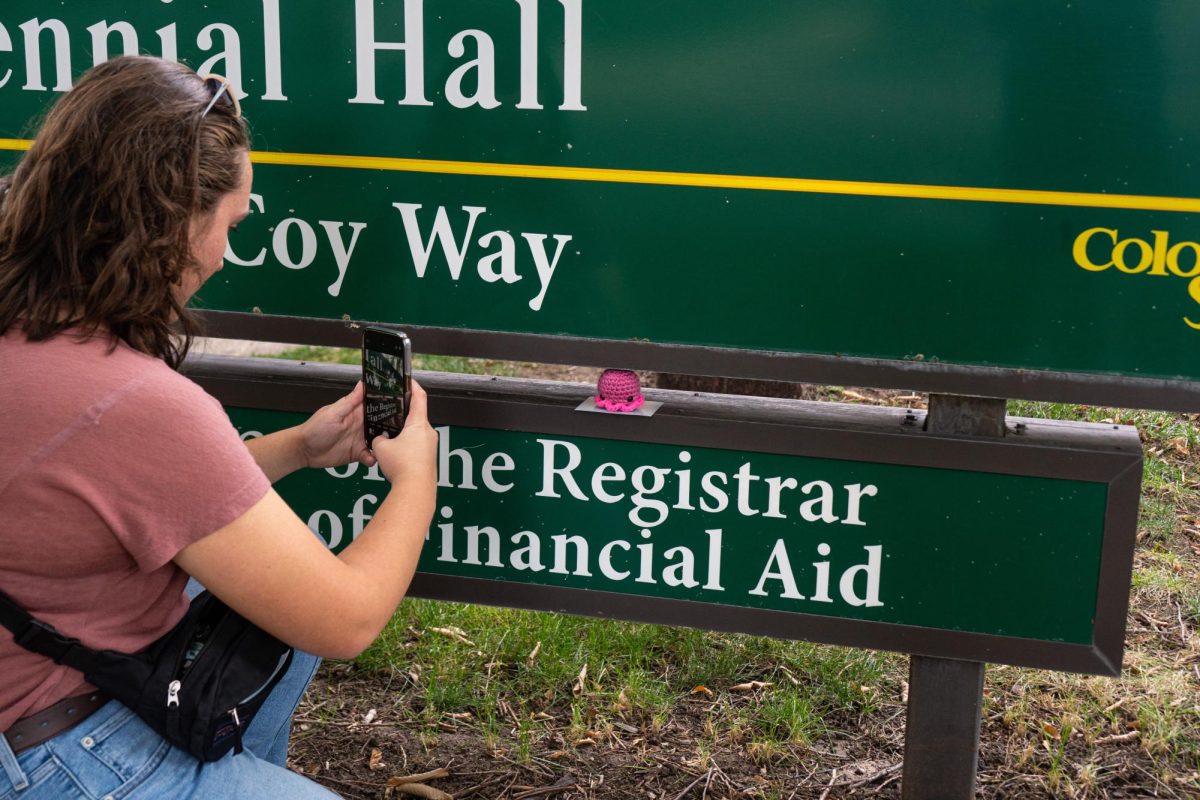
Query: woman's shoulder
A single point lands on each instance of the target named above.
(72, 375)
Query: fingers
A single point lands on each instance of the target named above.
(351, 402)
(367, 458)
(418, 406)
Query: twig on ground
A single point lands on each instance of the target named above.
(876, 776)
(690, 786)
(829, 788)
(479, 787)
(563, 785)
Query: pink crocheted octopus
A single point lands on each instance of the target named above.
(619, 390)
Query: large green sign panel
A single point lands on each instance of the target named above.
(1005, 555)
(1008, 184)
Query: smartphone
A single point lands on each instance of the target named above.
(387, 379)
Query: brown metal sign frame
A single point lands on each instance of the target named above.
(1026, 384)
(877, 435)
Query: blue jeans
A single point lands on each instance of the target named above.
(113, 755)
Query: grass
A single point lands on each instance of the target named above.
(484, 661)
(433, 363)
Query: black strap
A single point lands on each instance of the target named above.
(42, 638)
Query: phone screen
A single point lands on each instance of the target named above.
(387, 364)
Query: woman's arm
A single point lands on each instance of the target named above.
(329, 438)
(269, 567)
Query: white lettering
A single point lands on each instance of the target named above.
(506, 256)
(572, 56)
(341, 251)
(6, 46)
(856, 492)
(779, 567)
(819, 509)
(606, 567)
(308, 243)
(550, 471)
(529, 55)
(231, 55)
(714, 560)
(484, 67)
(257, 261)
(272, 51)
(561, 543)
(529, 557)
(545, 267)
(33, 54)
(413, 47)
(497, 462)
(683, 573)
(442, 233)
(444, 456)
(871, 570)
(475, 531)
(101, 32)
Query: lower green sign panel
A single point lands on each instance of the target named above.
(995, 554)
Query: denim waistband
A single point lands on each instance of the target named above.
(17, 772)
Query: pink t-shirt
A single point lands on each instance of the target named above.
(110, 464)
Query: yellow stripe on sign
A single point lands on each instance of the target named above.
(709, 181)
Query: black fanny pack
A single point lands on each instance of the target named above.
(198, 686)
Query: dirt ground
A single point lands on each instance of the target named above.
(862, 758)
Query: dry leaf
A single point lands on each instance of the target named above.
(457, 634)
(421, 790)
(1051, 731)
(541, 716)
(585, 742)
(752, 686)
(376, 761)
(533, 654)
(465, 716)
(578, 688)
(704, 690)
(432, 775)
(557, 754)
(1123, 737)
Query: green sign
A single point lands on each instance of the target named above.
(994, 184)
(1006, 555)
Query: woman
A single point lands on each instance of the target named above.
(119, 477)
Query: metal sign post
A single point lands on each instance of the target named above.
(945, 696)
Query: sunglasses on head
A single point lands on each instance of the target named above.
(221, 90)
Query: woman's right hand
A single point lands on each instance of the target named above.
(268, 566)
(413, 453)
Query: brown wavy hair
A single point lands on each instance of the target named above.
(94, 221)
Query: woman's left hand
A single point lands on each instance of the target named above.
(333, 436)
